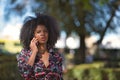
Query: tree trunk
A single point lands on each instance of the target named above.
(80, 54)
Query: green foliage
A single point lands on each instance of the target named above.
(91, 72)
(11, 46)
(78, 73)
(8, 68)
(111, 73)
(85, 3)
(94, 71)
(102, 2)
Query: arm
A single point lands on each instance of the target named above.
(25, 64)
(31, 60)
(26, 60)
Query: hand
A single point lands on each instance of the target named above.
(33, 45)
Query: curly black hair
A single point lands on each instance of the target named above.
(31, 23)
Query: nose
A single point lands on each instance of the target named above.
(42, 33)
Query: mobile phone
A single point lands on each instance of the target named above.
(37, 43)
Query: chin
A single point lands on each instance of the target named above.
(42, 42)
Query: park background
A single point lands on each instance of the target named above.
(89, 40)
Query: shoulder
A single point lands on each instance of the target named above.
(24, 52)
(58, 56)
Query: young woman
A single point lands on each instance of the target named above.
(38, 60)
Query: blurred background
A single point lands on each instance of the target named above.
(89, 39)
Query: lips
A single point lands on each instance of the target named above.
(43, 38)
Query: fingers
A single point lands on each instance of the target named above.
(35, 40)
(33, 45)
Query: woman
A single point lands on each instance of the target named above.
(38, 60)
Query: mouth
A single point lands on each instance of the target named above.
(43, 38)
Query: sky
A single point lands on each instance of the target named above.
(10, 28)
(10, 24)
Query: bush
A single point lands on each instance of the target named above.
(94, 71)
(91, 72)
(8, 68)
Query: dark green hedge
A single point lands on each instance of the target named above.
(91, 72)
(8, 68)
(94, 71)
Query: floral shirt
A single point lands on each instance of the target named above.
(38, 71)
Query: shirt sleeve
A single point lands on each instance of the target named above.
(25, 69)
(60, 63)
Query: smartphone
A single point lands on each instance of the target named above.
(37, 44)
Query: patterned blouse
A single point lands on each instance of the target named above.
(38, 71)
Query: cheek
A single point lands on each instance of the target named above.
(37, 35)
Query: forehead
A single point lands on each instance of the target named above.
(41, 27)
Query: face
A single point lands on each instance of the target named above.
(41, 33)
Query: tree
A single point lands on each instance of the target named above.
(72, 14)
(82, 16)
(85, 17)
(104, 23)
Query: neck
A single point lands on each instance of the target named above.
(42, 48)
